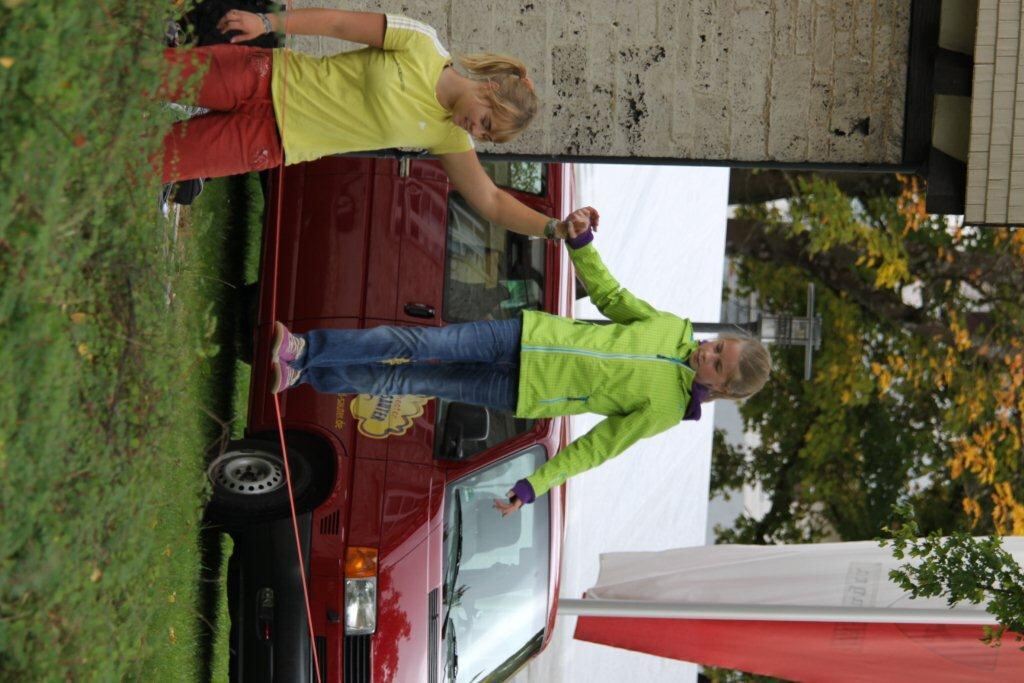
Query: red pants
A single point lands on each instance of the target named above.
(240, 133)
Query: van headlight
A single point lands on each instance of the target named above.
(360, 606)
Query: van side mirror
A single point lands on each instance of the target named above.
(462, 423)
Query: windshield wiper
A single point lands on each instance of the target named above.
(451, 595)
(451, 665)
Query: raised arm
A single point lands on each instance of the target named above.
(496, 205)
(358, 27)
(612, 299)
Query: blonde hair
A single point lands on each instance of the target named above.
(514, 102)
(752, 369)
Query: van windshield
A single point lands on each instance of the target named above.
(498, 601)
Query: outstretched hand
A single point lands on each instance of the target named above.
(248, 25)
(579, 221)
(506, 508)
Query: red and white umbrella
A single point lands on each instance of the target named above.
(816, 612)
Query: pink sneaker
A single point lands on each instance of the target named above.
(282, 377)
(287, 346)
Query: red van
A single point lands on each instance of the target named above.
(413, 576)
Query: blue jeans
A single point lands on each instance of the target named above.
(475, 363)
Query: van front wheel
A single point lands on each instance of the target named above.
(249, 484)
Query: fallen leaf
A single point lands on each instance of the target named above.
(6, 62)
(78, 318)
(96, 575)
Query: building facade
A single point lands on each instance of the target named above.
(789, 81)
(932, 87)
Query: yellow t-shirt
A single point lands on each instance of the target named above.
(366, 99)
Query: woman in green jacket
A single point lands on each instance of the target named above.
(644, 370)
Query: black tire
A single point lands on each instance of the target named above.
(247, 305)
(248, 482)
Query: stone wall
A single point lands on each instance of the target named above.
(717, 80)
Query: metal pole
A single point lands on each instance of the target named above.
(809, 351)
(860, 615)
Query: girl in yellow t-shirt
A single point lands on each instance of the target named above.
(269, 106)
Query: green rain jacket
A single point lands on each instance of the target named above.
(633, 370)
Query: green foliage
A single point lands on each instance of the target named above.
(221, 645)
(729, 466)
(106, 339)
(527, 176)
(717, 675)
(961, 569)
(915, 402)
(524, 176)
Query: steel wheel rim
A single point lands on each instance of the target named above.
(248, 473)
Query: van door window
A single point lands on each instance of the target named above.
(530, 177)
(490, 273)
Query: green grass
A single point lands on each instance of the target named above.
(115, 349)
(219, 654)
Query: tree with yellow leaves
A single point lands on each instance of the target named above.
(918, 391)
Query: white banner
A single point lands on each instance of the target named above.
(852, 575)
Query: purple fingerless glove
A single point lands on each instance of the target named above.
(524, 491)
(581, 240)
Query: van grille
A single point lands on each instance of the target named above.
(357, 659)
(329, 524)
(433, 634)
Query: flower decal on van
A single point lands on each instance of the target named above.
(379, 417)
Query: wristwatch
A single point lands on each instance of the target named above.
(267, 28)
(551, 229)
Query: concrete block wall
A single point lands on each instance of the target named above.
(995, 158)
(716, 80)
